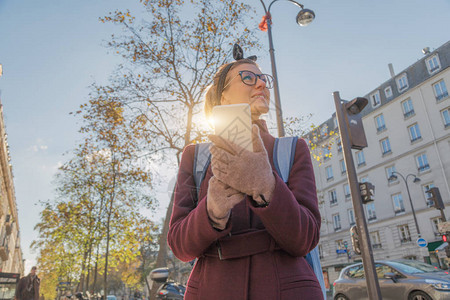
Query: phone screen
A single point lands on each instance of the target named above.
(233, 122)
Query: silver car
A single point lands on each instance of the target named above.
(399, 280)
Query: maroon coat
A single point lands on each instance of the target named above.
(260, 254)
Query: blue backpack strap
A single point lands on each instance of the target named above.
(283, 155)
(202, 159)
(313, 259)
(283, 159)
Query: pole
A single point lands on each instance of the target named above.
(373, 287)
(410, 200)
(276, 88)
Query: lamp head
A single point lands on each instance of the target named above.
(416, 179)
(305, 16)
(356, 105)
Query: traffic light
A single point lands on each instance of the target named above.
(355, 239)
(367, 192)
(435, 198)
(446, 237)
(353, 121)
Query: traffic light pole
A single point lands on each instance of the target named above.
(373, 287)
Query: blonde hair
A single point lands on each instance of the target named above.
(214, 91)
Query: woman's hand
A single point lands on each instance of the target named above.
(219, 202)
(246, 171)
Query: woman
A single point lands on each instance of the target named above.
(249, 230)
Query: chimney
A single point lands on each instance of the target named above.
(391, 70)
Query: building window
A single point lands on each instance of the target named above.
(375, 99)
(329, 171)
(427, 195)
(343, 167)
(405, 236)
(379, 121)
(388, 93)
(402, 83)
(326, 153)
(375, 240)
(408, 108)
(414, 132)
(360, 159)
(364, 179)
(422, 162)
(434, 224)
(446, 116)
(336, 222)
(335, 122)
(333, 197)
(433, 64)
(339, 145)
(320, 249)
(351, 217)
(399, 206)
(440, 90)
(385, 146)
(389, 172)
(370, 208)
(339, 244)
(347, 191)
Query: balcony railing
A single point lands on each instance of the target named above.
(399, 211)
(424, 168)
(381, 128)
(405, 240)
(376, 246)
(416, 138)
(409, 113)
(441, 96)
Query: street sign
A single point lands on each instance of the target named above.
(421, 242)
(444, 227)
(341, 251)
(64, 283)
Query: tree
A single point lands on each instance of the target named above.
(169, 60)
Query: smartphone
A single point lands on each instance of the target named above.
(234, 123)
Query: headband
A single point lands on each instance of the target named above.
(238, 54)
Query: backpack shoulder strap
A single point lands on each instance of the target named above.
(283, 155)
(202, 159)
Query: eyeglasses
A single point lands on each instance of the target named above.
(250, 78)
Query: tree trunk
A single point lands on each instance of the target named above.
(162, 253)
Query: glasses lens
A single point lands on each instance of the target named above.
(268, 80)
(248, 77)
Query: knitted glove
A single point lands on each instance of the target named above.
(220, 200)
(246, 171)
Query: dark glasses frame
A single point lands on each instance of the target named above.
(268, 82)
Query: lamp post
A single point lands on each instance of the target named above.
(304, 17)
(405, 179)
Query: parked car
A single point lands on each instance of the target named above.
(111, 297)
(171, 291)
(399, 280)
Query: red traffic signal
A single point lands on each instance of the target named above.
(444, 238)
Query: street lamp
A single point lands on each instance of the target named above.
(405, 179)
(304, 17)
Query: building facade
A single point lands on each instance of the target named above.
(407, 125)
(11, 260)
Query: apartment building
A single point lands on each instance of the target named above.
(11, 260)
(407, 125)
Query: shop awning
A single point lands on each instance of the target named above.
(433, 245)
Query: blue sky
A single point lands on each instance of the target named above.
(52, 50)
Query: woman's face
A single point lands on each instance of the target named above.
(258, 96)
